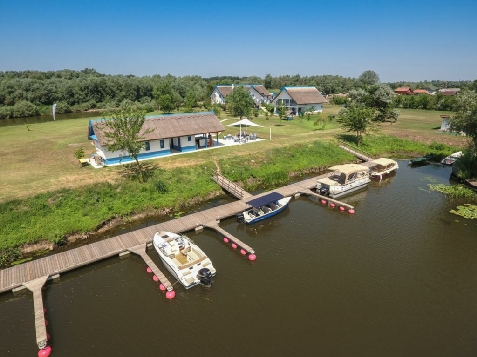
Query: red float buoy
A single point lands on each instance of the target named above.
(170, 294)
(149, 270)
(351, 211)
(323, 202)
(46, 322)
(48, 336)
(243, 252)
(226, 240)
(44, 310)
(234, 246)
(44, 352)
(162, 287)
(342, 208)
(332, 205)
(155, 278)
(252, 257)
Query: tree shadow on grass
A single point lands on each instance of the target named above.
(132, 172)
(348, 138)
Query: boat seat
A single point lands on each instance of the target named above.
(189, 279)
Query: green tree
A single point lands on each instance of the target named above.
(369, 78)
(217, 110)
(356, 118)
(465, 118)
(123, 131)
(282, 111)
(240, 102)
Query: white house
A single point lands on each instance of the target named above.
(166, 134)
(300, 99)
(258, 93)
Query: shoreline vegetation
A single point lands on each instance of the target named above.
(48, 201)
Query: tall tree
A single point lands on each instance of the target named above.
(123, 131)
(356, 118)
(368, 78)
(240, 102)
(465, 118)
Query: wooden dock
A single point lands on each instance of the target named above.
(359, 155)
(34, 274)
(141, 251)
(35, 286)
(231, 187)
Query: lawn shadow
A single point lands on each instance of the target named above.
(348, 138)
(132, 172)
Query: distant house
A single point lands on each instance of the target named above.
(300, 99)
(258, 93)
(420, 91)
(167, 134)
(403, 90)
(449, 91)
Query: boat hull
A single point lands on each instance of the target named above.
(283, 204)
(349, 190)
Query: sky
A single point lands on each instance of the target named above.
(400, 40)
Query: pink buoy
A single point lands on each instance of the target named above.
(44, 310)
(323, 202)
(342, 208)
(332, 205)
(48, 336)
(149, 270)
(44, 352)
(46, 322)
(170, 294)
(351, 211)
(155, 278)
(234, 246)
(226, 240)
(252, 257)
(162, 287)
(243, 252)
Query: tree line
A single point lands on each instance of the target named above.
(28, 93)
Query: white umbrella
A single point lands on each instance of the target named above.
(245, 122)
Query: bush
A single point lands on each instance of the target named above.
(79, 153)
(6, 112)
(24, 108)
(339, 100)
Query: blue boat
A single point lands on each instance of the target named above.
(264, 207)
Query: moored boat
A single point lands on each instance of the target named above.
(264, 207)
(343, 180)
(451, 159)
(381, 167)
(424, 160)
(184, 259)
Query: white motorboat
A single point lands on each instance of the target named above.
(343, 180)
(264, 207)
(381, 167)
(184, 259)
(452, 158)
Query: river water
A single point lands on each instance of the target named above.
(397, 278)
(46, 118)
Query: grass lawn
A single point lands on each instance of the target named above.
(40, 157)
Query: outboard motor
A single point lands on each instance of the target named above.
(205, 276)
(240, 218)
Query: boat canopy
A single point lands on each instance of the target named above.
(349, 168)
(383, 161)
(264, 200)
